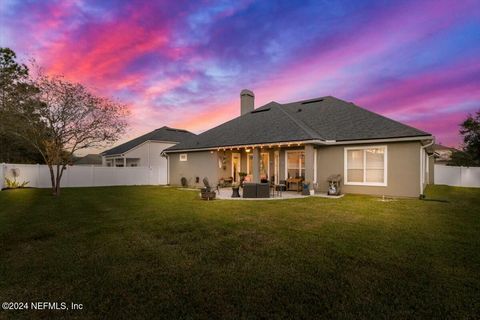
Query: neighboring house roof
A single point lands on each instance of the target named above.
(92, 159)
(439, 147)
(165, 134)
(326, 118)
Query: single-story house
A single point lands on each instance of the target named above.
(309, 140)
(146, 150)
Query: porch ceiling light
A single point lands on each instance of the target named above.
(247, 150)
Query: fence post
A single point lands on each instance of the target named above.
(2, 175)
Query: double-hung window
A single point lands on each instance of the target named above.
(366, 166)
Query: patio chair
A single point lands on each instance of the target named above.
(207, 193)
(263, 190)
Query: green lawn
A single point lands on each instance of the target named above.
(153, 252)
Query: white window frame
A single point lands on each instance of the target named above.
(183, 157)
(373, 184)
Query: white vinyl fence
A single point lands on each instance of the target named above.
(38, 176)
(457, 176)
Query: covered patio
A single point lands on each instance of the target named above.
(287, 164)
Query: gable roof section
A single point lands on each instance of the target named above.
(326, 118)
(335, 119)
(162, 134)
(89, 159)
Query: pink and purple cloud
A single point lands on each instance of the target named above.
(183, 63)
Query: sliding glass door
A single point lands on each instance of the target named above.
(295, 164)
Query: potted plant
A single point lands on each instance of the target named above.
(235, 190)
(242, 177)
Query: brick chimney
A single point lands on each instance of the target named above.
(247, 99)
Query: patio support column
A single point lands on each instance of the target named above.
(256, 165)
(309, 164)
(124, 162)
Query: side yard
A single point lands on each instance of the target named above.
(155, 252)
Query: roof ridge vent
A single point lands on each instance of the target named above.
(175, 130)
(259, 110)
(312, 101)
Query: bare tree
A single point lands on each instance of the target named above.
(64, 118)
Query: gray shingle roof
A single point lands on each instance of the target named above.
(326, 118)
(161, 134)
(89, 159)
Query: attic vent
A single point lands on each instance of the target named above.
(299, 110)
(176, 130)
(261, 110)
(312, 101)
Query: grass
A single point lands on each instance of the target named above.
(153, 252)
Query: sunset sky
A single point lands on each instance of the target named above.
(183, 64)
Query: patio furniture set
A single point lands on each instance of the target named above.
(268, 189)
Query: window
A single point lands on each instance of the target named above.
(183, 157)
(366, 166)
(295, 164)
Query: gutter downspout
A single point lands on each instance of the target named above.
(422, 166)
(165, 155)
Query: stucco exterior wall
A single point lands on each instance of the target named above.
(199, 164)
(403, 173)
(403, 167)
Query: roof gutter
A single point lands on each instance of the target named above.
(293, 143)
(422, 166)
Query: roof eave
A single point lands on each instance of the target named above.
(319, 142)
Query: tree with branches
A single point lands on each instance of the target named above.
(15, 89)
(66, 117)
(470, 155)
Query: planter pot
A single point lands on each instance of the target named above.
(312, 192)
(235, 192)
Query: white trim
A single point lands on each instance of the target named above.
(319, 142)
(315, 165)
(369, 184)
(419, 138)
(168, 169)
(422, 165)
(276, 166)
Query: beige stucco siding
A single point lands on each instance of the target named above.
(199, 164)
(403, 174)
